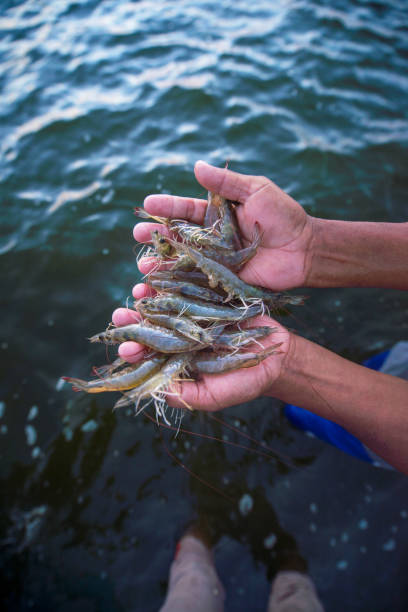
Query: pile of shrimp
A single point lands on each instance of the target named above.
(192, 323)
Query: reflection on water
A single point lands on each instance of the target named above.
(102, 103)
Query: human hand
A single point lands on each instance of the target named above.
(282, 259)
(278, 264)
(213, 392)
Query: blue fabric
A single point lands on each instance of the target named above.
(329, 431)
(377, 361)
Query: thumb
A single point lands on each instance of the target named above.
(191, 395)
(231, 185)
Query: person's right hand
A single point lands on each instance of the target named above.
(283, 257)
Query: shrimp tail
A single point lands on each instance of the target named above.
(143, 214)
(77, 383)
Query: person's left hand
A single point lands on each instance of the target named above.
(216, 391)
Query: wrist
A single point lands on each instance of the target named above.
(286, 368)
(310, 377)
(310, 234)
(343, 253)
(357, 254)
(323, 258)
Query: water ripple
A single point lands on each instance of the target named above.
(73, 195)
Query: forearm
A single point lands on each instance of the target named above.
(358, 254)
(370, 405)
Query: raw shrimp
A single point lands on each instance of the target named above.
(156, 385)
(211, 363)
(158, 338)
(192, 276)
(212, 211)
(125, 379)
(185, 327)
(234, 260)
(229, 227)
(198, 235)
(198, 310)
(187, 289)
(232, 284)
(240, 338)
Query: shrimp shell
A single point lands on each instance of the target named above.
(239, 338)
(158, 338)
(196, 309)
(187, 289)
(211, 363)
(182, 325)
(125, 379)
(232, 284)
(229, 227)
(234, 260)
(182, 275)
(212, 211)
(157, 383)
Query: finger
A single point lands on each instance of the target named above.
(131, 351)
(231, 185)
(190, 395)
(142, 290)
(212, 392)
(125, 316)
(142, 232)
(147, 264)
(175, 207)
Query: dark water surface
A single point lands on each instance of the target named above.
(103, 102)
